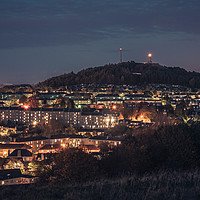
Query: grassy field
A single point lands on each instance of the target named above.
(162, 185)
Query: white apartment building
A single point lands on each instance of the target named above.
(44, 115)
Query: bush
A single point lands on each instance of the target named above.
(74, 166)
(172, 147)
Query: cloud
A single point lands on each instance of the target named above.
(26, 23)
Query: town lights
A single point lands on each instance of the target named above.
(114, 107)
(34, 123)
(63, 145)
(110, 121)
(26, 107)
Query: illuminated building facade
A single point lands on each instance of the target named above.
(75, 117)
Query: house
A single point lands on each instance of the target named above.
(68, 140)
(34, 142)
(2, 104)
(92, 132)
(15, 163)
(5, 130)
(44, 156)
(50, 148)
(6, 149)
(97, 140)
(90, 149)
(25, 154)
(15, 177)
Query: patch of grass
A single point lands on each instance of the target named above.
(182, 185)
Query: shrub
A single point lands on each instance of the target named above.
(74, 165)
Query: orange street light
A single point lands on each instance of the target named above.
(26, 107)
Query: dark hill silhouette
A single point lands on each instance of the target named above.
(129, 73)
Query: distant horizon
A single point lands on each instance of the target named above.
(21, 83)
(44, 38)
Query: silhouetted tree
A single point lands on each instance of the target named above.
(23, 99)
(74, 165)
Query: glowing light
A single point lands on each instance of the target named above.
(114, 107)
(26, 107)
(149, 55)
(34, 123)
(63, 145)
(120, 49)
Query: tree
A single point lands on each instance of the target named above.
(70, 130)
(145, 112)
(22, 99)
(192, 82)
(33, 102)
(36, 168)
(74, 166)
(172, 147)
(53, 127)
(70, 104)
(15, 163)
(13, 100)
(126, 112)
(104, 147)
(118, 130)
(181, 109)
(60, 102)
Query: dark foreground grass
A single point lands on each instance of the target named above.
(163, 185)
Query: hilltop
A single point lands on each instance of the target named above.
(129, 73)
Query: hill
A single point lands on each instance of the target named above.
(129, 73)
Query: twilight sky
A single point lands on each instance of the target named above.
(44, 38)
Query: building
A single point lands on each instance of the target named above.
(94, 120)
(34, 142)
(50, 148)
(7, 149)
(15, 177)
(97, 140)
(23, 154)
(37, 115)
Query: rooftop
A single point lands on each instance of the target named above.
(14, 146)
(21, 153)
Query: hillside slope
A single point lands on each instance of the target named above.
(129, 73)
(162, 185)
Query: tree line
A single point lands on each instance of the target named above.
(172, 147)
(126, 73)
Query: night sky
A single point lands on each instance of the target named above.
(44, 38)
